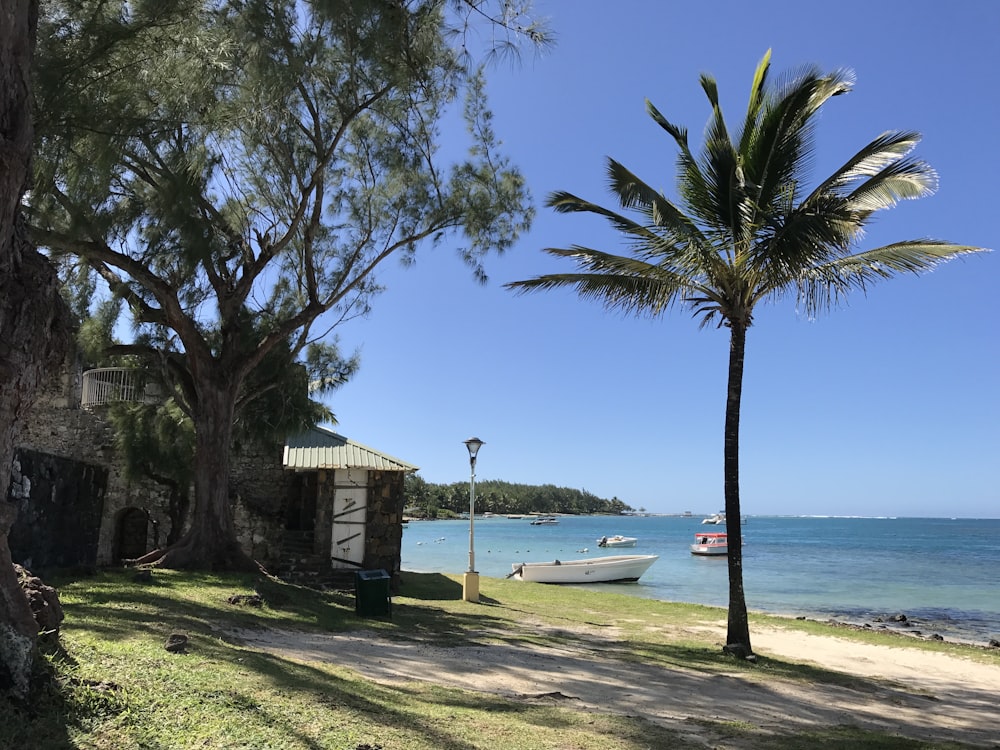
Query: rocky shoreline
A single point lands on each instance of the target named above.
(906, 627)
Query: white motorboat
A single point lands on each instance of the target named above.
(545, 521)
(715, 518)
(710, 544)
(611, 569)
(617, 541)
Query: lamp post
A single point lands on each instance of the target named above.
(470, 581)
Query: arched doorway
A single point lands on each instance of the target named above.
(131, 534)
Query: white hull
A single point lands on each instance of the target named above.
(708, 550)
(591, 570)
(545, 522)
(617, 541)
(710, 545)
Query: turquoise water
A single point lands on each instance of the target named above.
(941, 573)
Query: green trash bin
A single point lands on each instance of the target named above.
(371, 593)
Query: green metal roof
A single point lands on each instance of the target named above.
(320, 448)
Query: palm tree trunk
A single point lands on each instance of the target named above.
(738, 635)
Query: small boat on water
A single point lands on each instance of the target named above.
(715, 518)
(617, 541)
(710, 544)
(545, 521)
(612, 569)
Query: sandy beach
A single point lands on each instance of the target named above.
(910, 692)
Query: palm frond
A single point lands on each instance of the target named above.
(718, 194)
(690, 180)
(670, 235)
(636, 194)
(822, 286)
(618, 282)
(903, 180)
(632, 192)
(757, 94)
(591, 260)
(679, 133)
(568, 203)
(565, 203)
(717, 128)
(781, 147)
(888, 148)
(711, 89)
(719, 167)
(802, 240)
(833, 84)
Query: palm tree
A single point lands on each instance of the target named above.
(744, 230)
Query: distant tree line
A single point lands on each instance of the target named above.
(424, 499)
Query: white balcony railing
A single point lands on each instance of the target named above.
(106, 384)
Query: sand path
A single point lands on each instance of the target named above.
(914, 693)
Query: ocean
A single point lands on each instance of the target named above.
(941, 573)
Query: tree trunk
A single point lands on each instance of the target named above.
(18, 630)
(210, 543)
(33, 333)
(738, 635)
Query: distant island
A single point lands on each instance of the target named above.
(427, 500)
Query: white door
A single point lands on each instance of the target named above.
(350, 508)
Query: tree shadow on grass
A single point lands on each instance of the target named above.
(433, 714)
(58, 703)
(692, 656)
(119, 608)
(116, 608)
(193, 596)
(429, 587)
(119, 611)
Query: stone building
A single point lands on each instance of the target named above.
(316, 506)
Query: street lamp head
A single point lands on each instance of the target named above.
(474, 444)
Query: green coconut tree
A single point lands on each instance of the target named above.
(744, 229)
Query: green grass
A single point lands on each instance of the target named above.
(117, 688)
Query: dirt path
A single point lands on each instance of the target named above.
(919, 694)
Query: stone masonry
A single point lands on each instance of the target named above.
(62, 438)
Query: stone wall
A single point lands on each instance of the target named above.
(384, 527)
(261, 490)
(60, 504)
(58, 427)
(61, 433)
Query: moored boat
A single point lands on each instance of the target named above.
(612, 569)
(710, 544)
(715, 518)
(617, 541)
(545, 521)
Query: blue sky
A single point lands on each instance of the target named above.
(887, 406)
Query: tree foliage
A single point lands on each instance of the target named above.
(236, 171)
(497, 496)
(746, 228)
(155, 436)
